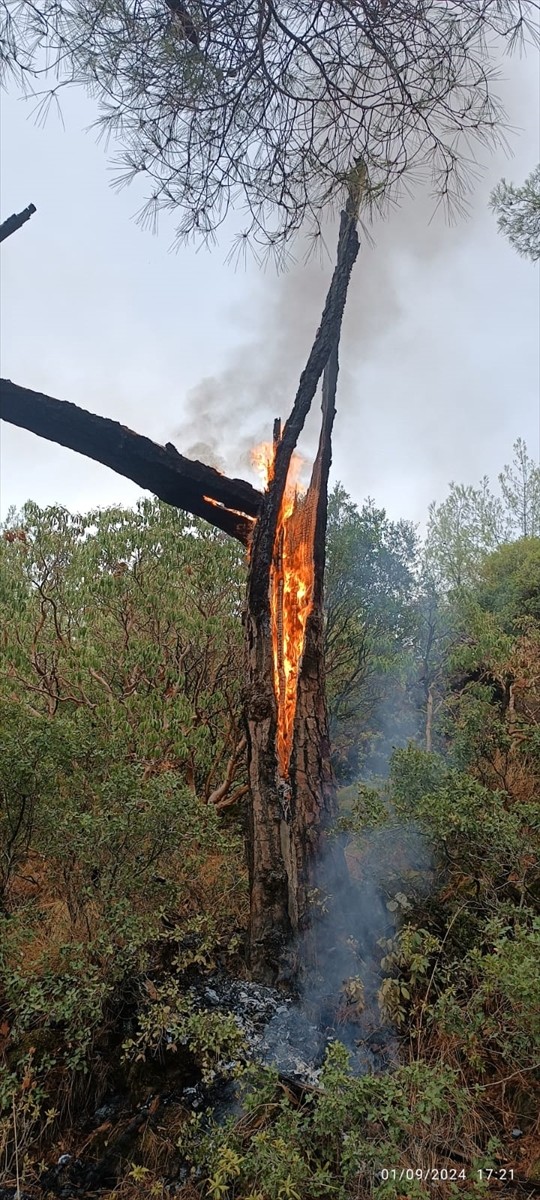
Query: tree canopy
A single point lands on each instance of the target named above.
(518, 214)
(271, 104)
(471, 522)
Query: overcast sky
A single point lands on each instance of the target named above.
(440, 356)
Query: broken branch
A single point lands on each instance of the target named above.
(326, 340)
(227, 504)
(15, 221)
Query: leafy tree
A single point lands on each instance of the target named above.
(119, 746)
(369, 624)
(509, 585)
(133, 615)
(520, 486)
(472, 522)
(461, 530)
(518, 214)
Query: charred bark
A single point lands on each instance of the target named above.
(13, 223)
(228, 504)
(326, 338)
(290, 816)
(292, 861)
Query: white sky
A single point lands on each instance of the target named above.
(441, 350)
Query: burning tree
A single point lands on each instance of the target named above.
(291, 785)
(291, 108)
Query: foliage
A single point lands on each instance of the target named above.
(131, 616)
(169, 1019)
(461, 530)
(335, 1142)
(509, 584)
(472, 522)
(520, 486)
(518, 214)
(273, 106)
(370, 621)
(120, 877)
(119, 684)
(480, 810)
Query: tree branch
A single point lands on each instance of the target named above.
(15, 221)
(228, 504)
(325, 343)
(217, 797)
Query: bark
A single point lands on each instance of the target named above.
(15, 221)
(228, 504)
(326, 338)
(429, 719)
(290, 858)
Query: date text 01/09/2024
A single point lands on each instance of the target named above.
(443, 1174)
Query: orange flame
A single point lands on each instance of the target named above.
(236, 511)
(291, 591)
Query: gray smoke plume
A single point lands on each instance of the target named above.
(396, 324)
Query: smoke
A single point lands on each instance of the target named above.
(410, 381)
(342, 994)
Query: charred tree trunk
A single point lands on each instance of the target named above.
(228, 504)
(291, 810)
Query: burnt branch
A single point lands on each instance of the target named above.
(321, 472)
(322, 351)
(15, 221)
(228, 504)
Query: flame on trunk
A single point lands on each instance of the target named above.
(291, 592)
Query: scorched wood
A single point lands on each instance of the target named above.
(228, 504)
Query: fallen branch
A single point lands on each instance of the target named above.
(227, 504)
(15, 221)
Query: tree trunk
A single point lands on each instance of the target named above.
(289, 862)
(429, 719)
(228, 504)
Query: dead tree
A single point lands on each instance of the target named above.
(292, 797)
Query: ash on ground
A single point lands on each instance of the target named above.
(280, 1032)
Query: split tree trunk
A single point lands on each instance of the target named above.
(290, 859)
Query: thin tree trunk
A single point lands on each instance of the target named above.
(429, 719)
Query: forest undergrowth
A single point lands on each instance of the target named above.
(123, 878)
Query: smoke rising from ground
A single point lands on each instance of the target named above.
(340, 996)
